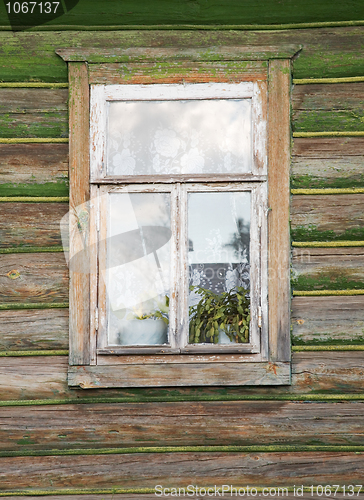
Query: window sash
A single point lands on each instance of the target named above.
(101, 95)
(178, 312)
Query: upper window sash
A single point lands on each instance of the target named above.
(103, 95)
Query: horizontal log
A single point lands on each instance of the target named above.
(181, 469)
(331, 320)
(328, 268)
(328, 121)
(209, 13)
(328, 147)
(31, 224)
(32, 112)
(328, 97)
(312, 372)
(33, 329)
(327, 52)
(180, 424)
(290, 495)
(176, 72)
(34, 169)
(325, 218)
(33, 278)
(345, 172)
(331, 107)
(32, 100)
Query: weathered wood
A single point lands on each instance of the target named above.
(34, 329)
(337, 320)
(33, 278)
(34, 169)
(278, 202)
(328, 268)
(289, 495)
(176, 72)
(79, 172)
(33, 112)
(339, 96)
(179, 374)
(327, 217)
(268, 12)
(182, 469)
(180, 424)
(328, 147)
(32, 100)
(329, 107)
(327, 173)
(161, 54)
(328, 162)
(327, 51)
(31, 224)
(45, 377)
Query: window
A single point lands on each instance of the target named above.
(179, 228)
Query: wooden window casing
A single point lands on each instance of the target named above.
(269, 71)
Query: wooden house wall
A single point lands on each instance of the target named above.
(92, 443)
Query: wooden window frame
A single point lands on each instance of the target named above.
(268, 67)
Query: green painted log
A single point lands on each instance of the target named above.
(334, 52)
(207, 12)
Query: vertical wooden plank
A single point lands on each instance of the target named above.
(278, 200)
(79, 196)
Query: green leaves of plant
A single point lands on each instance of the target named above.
(229, 312)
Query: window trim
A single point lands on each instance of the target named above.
(94, 66)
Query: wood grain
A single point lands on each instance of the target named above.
(30, 164)
(327, 52)
(33, 278)
(327, 268)
(44, 377)
(31, 224)
(28, 112)
(337, 320)
(176, 72)
(328, 107)
(335, 213)
(180, 424)
(169, 374)
(181, 469)
(328, 147)
(151, 496)
(348, 96)
(79, 172)
(278, 202)
(33, 329)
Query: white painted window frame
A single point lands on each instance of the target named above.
(101, 95)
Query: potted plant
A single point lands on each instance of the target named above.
(216, 315)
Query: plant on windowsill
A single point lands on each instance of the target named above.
(215, 315)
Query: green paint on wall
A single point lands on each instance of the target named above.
(329, 121)
(59, 188)
(310, 181)
(206, 12)
(311, 233)
(30, 56)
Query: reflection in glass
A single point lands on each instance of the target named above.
(179, 137)
(138, 268)
(219, 271)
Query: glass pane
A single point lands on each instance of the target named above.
(138, 268)
(179, 137)
(219, 275)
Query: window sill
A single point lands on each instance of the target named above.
(180, 374)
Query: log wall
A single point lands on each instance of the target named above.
(101, 444)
